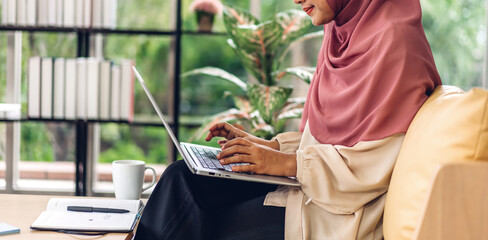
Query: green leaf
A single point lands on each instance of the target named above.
(304, 73)
(260, 128)
(256, 44)
(234, 17)
(262, 38)
(217, 73)
(268, 99)
(290, 114)
(251, 62)
(264, 131)
(294, 103)
(243, 104)
(294, 24)
(293, 109)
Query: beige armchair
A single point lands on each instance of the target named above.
(457, 205)
(439, 186)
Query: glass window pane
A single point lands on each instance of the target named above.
(49, 44)
(144, 14)
(457, 34)
(122, 141)
(47, 148)
(202, 95)
(47, 153)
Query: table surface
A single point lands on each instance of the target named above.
(21, 210)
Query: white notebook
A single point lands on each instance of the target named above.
(57, 217)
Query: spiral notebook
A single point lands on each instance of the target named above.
(57, 217)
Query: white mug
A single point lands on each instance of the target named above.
(128, 177)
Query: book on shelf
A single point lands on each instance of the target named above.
(4, 12)
(31, 12)
(59, 89)
(105, 75)
(41, 19)
(69, 13)
(92, 86)
(51, 12)
(9, 12)
(127, 90)
(10, 111)
(57, 217)
(21, 12)
(70, 86)
(87, 12)
(42, 12)
(79, 14)
(96, 18)
(109, 14)
(81, 88)
(115, 96)
(34, 84)
(59, 13)
(47, 88)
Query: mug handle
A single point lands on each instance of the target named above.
(153, 178)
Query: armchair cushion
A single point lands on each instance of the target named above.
(451, 126)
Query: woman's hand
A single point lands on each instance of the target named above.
(230, 132)
(261, 159)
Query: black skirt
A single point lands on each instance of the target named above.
(188, 206)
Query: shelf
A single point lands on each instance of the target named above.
(104, 31)
(133, 123)
(59, 120)
(83, 139)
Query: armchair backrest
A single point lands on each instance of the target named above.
(451, 126)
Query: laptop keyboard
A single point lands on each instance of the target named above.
(208, 158)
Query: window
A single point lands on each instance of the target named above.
(456, 31)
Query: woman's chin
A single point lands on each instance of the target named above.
(320, 21)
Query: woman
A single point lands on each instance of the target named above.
(375, 69)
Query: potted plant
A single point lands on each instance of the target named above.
(263, 106)
(205, 13)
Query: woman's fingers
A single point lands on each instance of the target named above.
(238, 158)
(237, 141)
(251, 168)
(222, 129)
(216, 130)
(222, 143)
(234, 150)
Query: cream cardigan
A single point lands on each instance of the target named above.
(343, 188)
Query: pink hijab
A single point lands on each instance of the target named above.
(374, 71)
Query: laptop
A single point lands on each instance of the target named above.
(202, 160)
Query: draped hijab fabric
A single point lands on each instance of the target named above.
(374, 71)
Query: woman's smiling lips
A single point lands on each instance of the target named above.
(308, 10)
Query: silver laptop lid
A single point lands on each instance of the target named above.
(160, 114)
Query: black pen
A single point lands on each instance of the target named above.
(95, 209)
